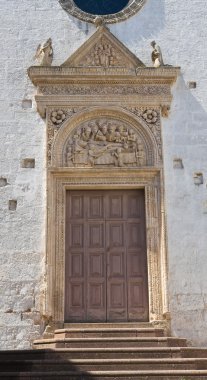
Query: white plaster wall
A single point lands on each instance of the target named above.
(180, 29)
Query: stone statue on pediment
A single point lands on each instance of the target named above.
(156, 55)
(44, 53)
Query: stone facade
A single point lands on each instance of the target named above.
(24, 263)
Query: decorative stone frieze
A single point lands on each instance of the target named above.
(114, 89)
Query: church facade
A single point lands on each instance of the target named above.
(103, 167)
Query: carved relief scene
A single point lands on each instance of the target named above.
(103, 54)
(105, 142)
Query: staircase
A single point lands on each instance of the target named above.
(106, 352)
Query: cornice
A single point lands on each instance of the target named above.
(41, 75)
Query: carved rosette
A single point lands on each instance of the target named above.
(56, 118)
(105, 142)
(150, 116)
(152, 120)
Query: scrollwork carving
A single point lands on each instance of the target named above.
(105, 142)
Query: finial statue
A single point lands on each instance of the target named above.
(44, 53)
(156, 55)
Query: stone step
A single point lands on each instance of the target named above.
(103, 365)
(109, 375)
(111, 342)
(113, 325)
(104, 353)
(108, 332)
(95, 353)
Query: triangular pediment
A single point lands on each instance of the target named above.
(103, 49)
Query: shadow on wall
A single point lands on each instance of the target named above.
(185, 136)
(188, 120)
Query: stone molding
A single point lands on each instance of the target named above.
(42, 75)
(133, 7)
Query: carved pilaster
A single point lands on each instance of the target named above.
(153, 243)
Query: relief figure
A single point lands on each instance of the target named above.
(104, 143)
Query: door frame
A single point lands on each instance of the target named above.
(63, 179)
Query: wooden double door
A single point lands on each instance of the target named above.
(106, 263)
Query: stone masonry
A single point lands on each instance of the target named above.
(180, 29)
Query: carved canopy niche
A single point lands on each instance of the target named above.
(103, 111)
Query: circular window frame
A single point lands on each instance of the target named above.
(131, 9)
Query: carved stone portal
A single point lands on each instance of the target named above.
(104, 142)
(103, 111)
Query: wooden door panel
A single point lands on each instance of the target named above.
(96, 235)
(76, 265)
(74, 260)
(135, 205)
(96, 207)
(96, 265)
(77, 235)
(117, 295)
(96, 295)
(136, 300)
(75, 300)
(116, 257)
(115, 235)
(106, 264)
(76, 208)
(77, 295)
(96, 308)
(134, 264)
(116, 265)
(116, 301)
(135, 240)
(115, 206)
(95, 256)
(137, 293)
